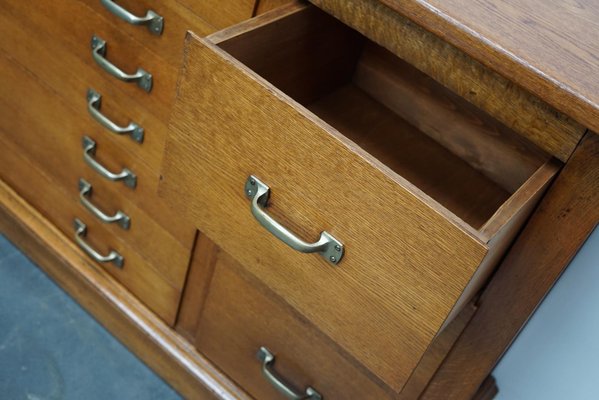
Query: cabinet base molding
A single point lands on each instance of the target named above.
(146, 335)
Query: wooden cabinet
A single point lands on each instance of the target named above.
(422, 219)
(317, 196)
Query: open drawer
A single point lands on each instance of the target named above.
(423, 191)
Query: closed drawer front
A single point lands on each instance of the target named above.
(240, 316)
(46, 132)
(142, 278)
(424, 191)
(176, 20)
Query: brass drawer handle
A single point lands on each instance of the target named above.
(329, 247)
(119, 217)
(112, 256)
(89, 149)
(141, 77)
(153, 21)
(94, 102)
(268, 360)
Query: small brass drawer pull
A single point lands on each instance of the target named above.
(153, 21)
(329, 247)
(89, 149)
(94, 102)
(119, 217)
(112, 256)
(141, 77)
(268, 361)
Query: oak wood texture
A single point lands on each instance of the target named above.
(362, 309)
(526, 114)
(143, 279)
(317, 175)
(177, 21)
(54, 21)
(263, 6)
(463, 132)
(567, 215)
(197, 287)
(547, 47)
(166, 352)
(70, 77)
(485, 144)
(198, 279)
(436, 171)
(48, 132)
(221, 14)
(240, 315)
(435, 354)
(25, 46)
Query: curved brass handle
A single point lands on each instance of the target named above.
(119, 217)
(112, 256)
(141, 77)
(328, 247)
(94, 102)
(153, 21)
(89, 149)
(268, 360)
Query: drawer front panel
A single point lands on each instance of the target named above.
(50, 134)
(405, 264)
(177, 20)
(61, 208)
(239, 317)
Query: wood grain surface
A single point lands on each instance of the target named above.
(199, 275)
(54, 23)
(198, 286)
(548, 47)
(564, 219)
(177, 21)
(267, 5)
(205, 177)
(71, 76)
(528, 115)
(477, 138)
(137, 327)
(240, 315)
(221, 14)
(51, 135)
(146, 281)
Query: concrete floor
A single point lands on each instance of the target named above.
(50, 348)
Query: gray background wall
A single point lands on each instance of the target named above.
(556, 356)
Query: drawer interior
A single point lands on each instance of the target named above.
(449, 150)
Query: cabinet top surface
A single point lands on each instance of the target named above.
(549, 47)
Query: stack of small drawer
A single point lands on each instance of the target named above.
(85, 96)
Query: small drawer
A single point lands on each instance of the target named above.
(423, 191)
(141, 277)
(50, 134)
(240, 316)
(174, 19)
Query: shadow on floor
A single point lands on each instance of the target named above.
(51, 349)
